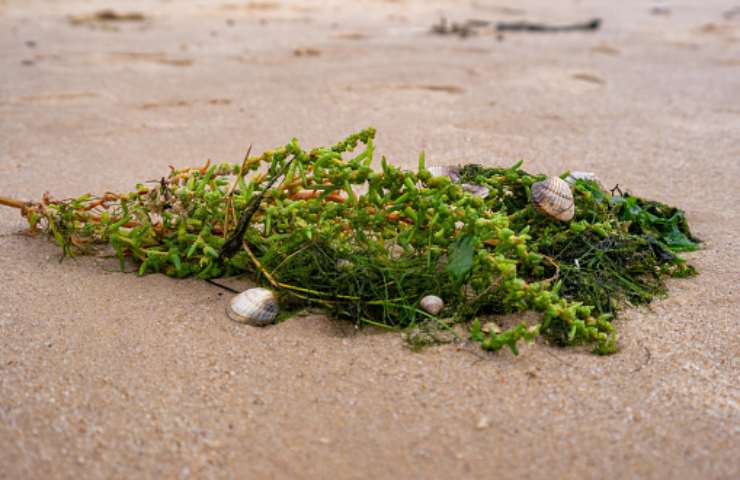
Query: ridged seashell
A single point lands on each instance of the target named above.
(454, 174)
(256, 306)
(554, 198)
(581, 175)
(432, 304)
(478, 190)
(445, 171)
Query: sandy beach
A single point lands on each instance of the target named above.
(106, 374)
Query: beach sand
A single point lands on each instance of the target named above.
(110, 375)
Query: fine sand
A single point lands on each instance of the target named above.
(109, 375)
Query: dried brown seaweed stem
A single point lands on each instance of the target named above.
(279, 285)
(13, 203)
(230, 212)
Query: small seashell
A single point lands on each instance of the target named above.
(344, 264)
(491, 327)
(554, 198)
(454, 174)
(478, 190)
(580, 175)
(432, 304)
(445, 171)
(256, 306)
(396, 251)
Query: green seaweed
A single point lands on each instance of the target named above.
(326, 229)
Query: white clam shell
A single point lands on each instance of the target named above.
(554, 198)
(478, 190)
(344, 264)
(432, 304)
(256, 306)
(445, 171)
(454, 174)
(396, 251)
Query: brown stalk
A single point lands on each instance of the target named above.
(13, 203)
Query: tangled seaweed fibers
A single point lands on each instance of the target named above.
(301, 225)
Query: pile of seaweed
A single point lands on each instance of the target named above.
(324, 228)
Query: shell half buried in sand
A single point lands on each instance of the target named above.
(554, 198)
(432, 304)
(257, 307)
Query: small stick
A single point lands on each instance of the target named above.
(257, 263)
(241, 171)
(231, 246)
(219, 285)
(13, 203)
(557, 270)
(542, 27)
(230, 213)
(279, 285)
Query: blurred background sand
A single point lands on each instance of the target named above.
(108, 375)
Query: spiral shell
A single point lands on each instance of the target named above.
(432, 304)
(554, 198)
(256, 306)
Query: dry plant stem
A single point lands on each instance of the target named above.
(229, 213)
(13, 203)
(309, 194)
(259, 266)
(556, 265)
(279, 285)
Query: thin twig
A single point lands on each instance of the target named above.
(219, 285)
(230, 213)
(259, 266)
(232, 245)
(556, 275)
(278, 285)
(13, 203)
(545, 28)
